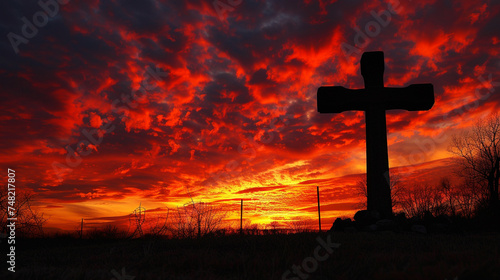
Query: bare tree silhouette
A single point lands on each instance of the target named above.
(418, 200)
(302, 225)
(29, 221)
(478, 155)
(196, 219)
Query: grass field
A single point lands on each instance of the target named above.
(381, 255)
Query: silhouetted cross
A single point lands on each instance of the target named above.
(374, 100)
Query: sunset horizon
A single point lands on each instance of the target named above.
(334, 204)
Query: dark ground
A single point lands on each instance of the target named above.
(361, 255)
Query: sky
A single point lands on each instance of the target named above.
(110, 104)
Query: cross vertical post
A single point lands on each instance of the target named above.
(377, 158)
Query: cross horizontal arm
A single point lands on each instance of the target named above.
(418, 97)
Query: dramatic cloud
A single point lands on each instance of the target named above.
(108, 104)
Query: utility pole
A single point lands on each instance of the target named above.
(319, 213)
(81, 230)
(241, 218)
